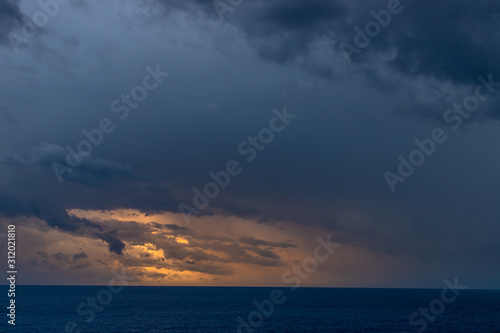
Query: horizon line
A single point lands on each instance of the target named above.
(277, 287)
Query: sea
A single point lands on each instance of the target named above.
(94, 309)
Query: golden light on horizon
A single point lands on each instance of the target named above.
(181, 240)
(162, 249)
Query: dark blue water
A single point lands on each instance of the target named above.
(206, 309)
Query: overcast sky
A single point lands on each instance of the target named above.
(318, 102)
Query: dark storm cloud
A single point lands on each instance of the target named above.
(81, 227)
(115, 245)
(256, 242)
(92, 171)
(106, 179)
(448, 40)
(326, 169)
(280, 31)
(170, 5)
(309, 15)
(11, 206)
(10, 18)
(100, 176)
(10, 9)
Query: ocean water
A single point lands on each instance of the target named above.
(209, 309)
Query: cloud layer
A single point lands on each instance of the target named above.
(323, 174)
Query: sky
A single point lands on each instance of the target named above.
(193, 142)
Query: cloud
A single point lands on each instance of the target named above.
(279, 31)
(325, 170)
(80, 255)
(196, 255)
(92, 171)
(115, 245)
(250, 240)
(11, 206)
(10, 18)
(61, 256)
(43, 254)
(458, 48)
